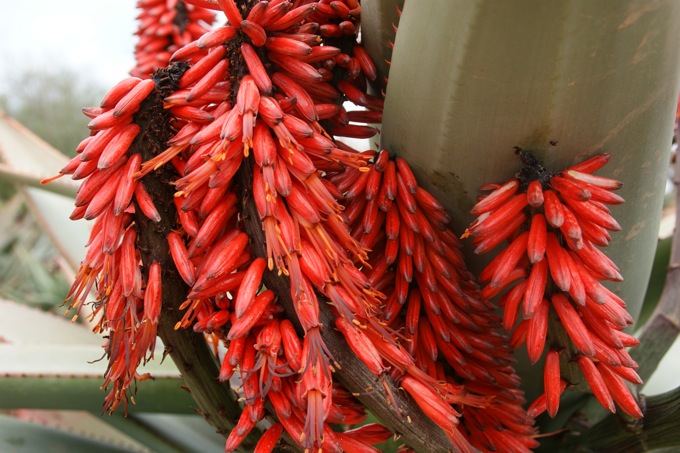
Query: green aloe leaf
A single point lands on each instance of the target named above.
(660, 429)
(24, 153)
(17, 317)
(60, 186)
(190, 433)
(24, 437)
(379, 18)
(55, 364)
(78, 431)
(657, 279)
(49, 376)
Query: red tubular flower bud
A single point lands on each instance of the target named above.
(232, 12)
(537, 331)
(596, 383)
(535, 194)
(573, 325)
(241, 326)
(153, 294)
(551, 382)
(619, 392)
(249, 287)
(129, 104)
(255, 32)
(361, 345)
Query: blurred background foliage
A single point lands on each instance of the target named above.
(49, 102)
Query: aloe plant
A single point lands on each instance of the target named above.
(563, 80)
(554, 85)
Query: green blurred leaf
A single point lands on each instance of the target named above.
(30, 267)
(18, 436)
(49, 376)
(47, 362)
(190, 433)
(656, 279)
(25, 325)
(61, 186)
(23, 152)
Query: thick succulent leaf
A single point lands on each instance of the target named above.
(472, 80)
(49, 376)
(143, 433)
(135, 433)
(665, 377)
(24, 153)
(22, 436)
(31, 269)
(61, 186)
(657, 279)
(190, 433)
(379, 18)
(16, 319)
(47, 362)
(659, 430)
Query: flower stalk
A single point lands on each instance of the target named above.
(196, 362)
(663, 327)
(416, 429)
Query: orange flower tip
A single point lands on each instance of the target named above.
(52, 178)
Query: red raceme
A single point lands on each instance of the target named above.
(262, 94)
(558, 221)
(165, 26)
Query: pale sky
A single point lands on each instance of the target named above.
(93, 37)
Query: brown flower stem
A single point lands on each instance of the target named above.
(415, 428)
(659, 429)
(216, 401)
(663, 327)
(559, 340)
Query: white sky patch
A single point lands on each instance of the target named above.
(93, 37)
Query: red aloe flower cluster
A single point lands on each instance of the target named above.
(129, 304)
(164, 27)
(453, 347)
(224, 107)
(268, 222)
(552, 271)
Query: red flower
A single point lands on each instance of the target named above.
(554, 221)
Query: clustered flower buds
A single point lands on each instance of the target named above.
(246, 117)
(164, 27)
(552, 270)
